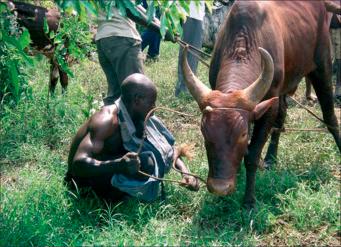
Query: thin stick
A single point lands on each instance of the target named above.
(161, 179)
(312, 113)
(175, 158)
(194, 54)
(183, 43)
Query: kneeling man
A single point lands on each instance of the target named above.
(103, 152)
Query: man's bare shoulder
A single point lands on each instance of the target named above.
(104, 122)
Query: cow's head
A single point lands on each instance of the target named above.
(225, 122)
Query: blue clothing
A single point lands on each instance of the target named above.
(152, 39)
(158, 145)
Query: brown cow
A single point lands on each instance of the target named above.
(32, 18)
(294, 36)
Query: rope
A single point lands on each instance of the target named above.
(312, 113)
(184, 44)
(148, 116)
(175, 158)
(298, 129)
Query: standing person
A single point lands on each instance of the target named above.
(151, 38)
(119, 47)
(335, 28)
(119, 51)
(192, 34)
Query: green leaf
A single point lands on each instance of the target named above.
(52, 34)
(109, 9)
(185, 5)
(46, 26)
(16, 44)
(13, 73)
(129, 5)
(163, 24)
(77, 7)
(3, 7)
(25, 39)
(150, 11)
(170, 23)
(91, 7)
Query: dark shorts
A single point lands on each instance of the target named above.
(101, 186)
(119, 57)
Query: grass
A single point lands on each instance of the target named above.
(297, 202)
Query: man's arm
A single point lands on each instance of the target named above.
(333, 7)
(192, 183)
(83, 164)
(142, 19)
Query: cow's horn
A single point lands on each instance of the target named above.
(257, 90)
(198, 89)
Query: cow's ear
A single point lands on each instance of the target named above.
(262, 107)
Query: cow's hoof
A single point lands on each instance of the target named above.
(249, 205)
(311, 100)
(267, 164)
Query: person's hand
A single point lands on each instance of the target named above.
(130, 163)
(190, 183)
(169, 37)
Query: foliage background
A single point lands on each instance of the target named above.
(298, 202)
(13, 58)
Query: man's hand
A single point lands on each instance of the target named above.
(191, 183)
(130, 163)
(173, 38)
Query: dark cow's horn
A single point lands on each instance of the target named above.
(198, 89)
(257, 90)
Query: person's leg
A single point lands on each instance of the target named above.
(119, 57)
(154, 45)
(336, 42)
(130, 60)
(146, 39)
(338, 80)
(113, 86)
(192, 34)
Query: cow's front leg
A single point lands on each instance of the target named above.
(53, 75)
(271, 155)
(64, 79)
(260, 133)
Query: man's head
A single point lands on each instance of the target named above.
(139, 95)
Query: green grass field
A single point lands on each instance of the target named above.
(298, 202)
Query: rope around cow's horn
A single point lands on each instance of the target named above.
(175, 158)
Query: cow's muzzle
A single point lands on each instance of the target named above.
(220, 187)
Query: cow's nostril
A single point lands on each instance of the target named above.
(220, 187)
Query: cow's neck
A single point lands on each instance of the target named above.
(240, 65)
(238, 73)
